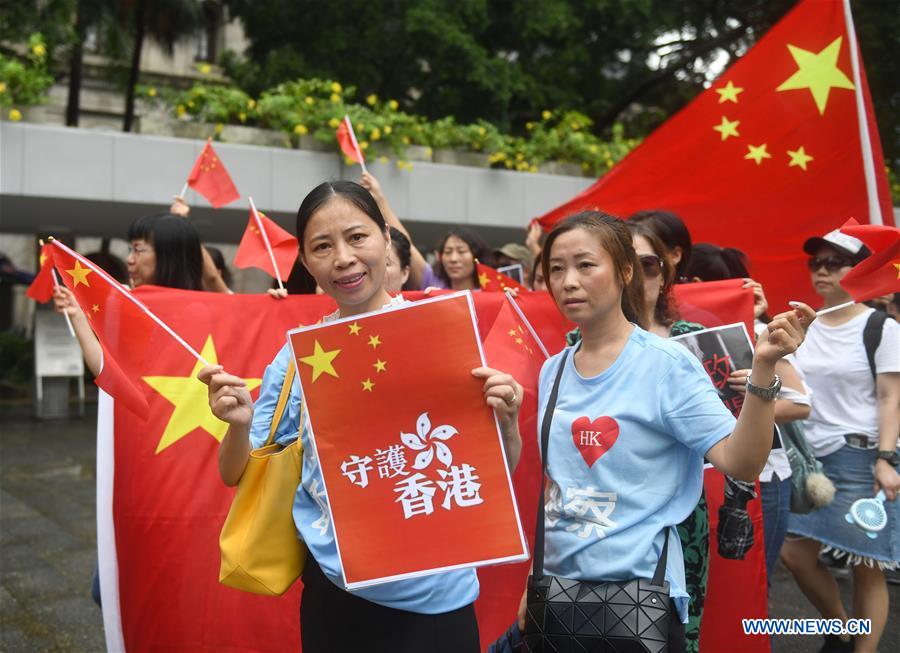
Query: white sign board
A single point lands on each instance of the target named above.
(56, 352)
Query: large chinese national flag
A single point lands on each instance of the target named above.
(161, 502)
(783, 146)
(409, 451)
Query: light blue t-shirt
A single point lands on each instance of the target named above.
(626, 461)
(432, 594)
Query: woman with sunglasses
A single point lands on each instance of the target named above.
(852, 429)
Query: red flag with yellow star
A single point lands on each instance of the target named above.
(511, 347)
(122, 326)
(252, 252)
(879, 274)
(409, 451)
(41, 289)
(210, 178)
(346, 139)
(492, 281)
(161, 502)
(782, 147)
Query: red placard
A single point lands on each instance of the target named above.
(411, 455)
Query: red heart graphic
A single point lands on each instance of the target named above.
(594, 439)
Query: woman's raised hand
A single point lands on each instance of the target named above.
(64, 302)
(229, 399)
(784, 334)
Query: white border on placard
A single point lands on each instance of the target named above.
(509, 268)
(429, 572)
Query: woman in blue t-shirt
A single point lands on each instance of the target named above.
(636, 415)
(345, 245)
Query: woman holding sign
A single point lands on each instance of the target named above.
(345, 245)
(627, 420)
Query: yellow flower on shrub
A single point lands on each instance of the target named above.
(371, 100)
(333, 123)
(180, 111)
(405, 140)
(394, 105)
(219, 127)
(335, 98)
(151, 91)
(39, 50)
(242, 116)
(308, 99)
(2, 87)
(482, 131)
(387, 130)
(532, 168)
(609, 163)
(593, 149)
(520, 156)
(529, 126)
(251, 103)
(383, 159)
(400, 164)
(300, 130)
(546, 115)
(190, 104)
(15, 115)
(375, 134)
(364, 145)
(204, 68)
(336, 87)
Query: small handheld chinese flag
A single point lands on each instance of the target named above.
(41, 289)
(879, 274)
(252, 252)
(210, 178)
(346, 138)
(492, 281)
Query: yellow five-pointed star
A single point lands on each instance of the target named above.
(519, 341)
(799, 158)
(96, 308)
(728, 128)
(43, 258)
(354, 328)
(897, 265)
(321, 361)
(79, 274)
(483, 280)
(380, 365)
(511, 332)
(367, 385)
(818, 72)
(189, 396)
(757, 153)
(729, 92)
(374, 341)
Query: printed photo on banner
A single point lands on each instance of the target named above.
(721, 351)
(515, 272)
(422, 467)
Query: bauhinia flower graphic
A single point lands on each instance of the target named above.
(429, 442)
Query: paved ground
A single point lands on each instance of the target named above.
(48, 545)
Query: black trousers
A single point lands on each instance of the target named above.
(335, 621)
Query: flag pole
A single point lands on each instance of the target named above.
(826, 311)
(53, 274)
(515, 305)
(183, 190)
(115, 284)
(362, 160)
(265, 237)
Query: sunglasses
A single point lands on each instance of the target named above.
(652, 265)
(831, 263)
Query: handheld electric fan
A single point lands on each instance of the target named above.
(869, 514)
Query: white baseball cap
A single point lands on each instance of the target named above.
(852, 247)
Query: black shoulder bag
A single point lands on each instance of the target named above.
(571, 615)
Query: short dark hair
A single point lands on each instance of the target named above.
(402, 246)
(616, 240)
(672, 231)
(176, 244)
(325, 192)
(476, 244)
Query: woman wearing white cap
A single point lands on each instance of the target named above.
(851, 361)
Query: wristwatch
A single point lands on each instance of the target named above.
(769, 393)
(892, 458)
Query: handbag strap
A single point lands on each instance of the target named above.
(282, 402)
(537, 568)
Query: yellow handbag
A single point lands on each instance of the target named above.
(261, 551)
